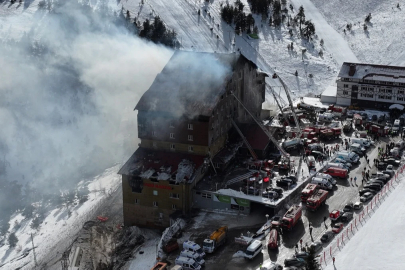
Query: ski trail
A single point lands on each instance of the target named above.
(334, 42)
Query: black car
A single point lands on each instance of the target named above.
(348, 207)
(365, 190)
(284, 182)
(270, 194)
(318, 154)
(291, 177)
(380, 182)
(373, 186)
(298, 262)
(389, 172)
(346, 217)
(276, 189)
(302, 254)
(327, 236)
(392, 161)
(381, 165)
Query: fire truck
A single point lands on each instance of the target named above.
(317, 199)
(291, 217)
(308, 191)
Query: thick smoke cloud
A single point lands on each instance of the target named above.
(67, 93)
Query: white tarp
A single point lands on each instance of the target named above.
(396, 106)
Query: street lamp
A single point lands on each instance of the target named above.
(267, 217)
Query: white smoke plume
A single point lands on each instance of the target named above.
(67, 93)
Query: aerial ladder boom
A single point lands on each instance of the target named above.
(279, 105)
(287, 91)
(252, 152)
(275, 142)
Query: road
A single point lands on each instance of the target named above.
(334, 42)
(343, 193)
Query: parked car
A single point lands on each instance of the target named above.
(276, 189)
(316, 246)
(298, 262)
(374, 117)
(318, 154)
(376, 181)
(270, 194)
(346, 217)
(373, 186)
(337, 227)
(365, 190)
(357, 205)
(252, 191)
(284, 182)
(302, 255)
(366, 197)
(390, 167)
(382, 166)
(348, 207)
(339, 160)
(392, 161)
(292, 177)
(327, 236)
(389, 172)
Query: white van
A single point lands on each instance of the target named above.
(193, 255)
(322, 183)
(327, 177)
(311, 161)
(348, 156)
(326, 117)
(357, 148)
(400, 144)
(396, 125)
(192, 246)
(187, 263)
(253, 249)
(362, 141)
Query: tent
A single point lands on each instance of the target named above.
(396, 106)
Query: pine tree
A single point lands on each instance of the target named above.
(301, 16)
(12, 240)
(308, 30)
(321, 42)
(255, 30)
(312, 263)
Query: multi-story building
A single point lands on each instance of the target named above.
(183, 122)
(370, 86)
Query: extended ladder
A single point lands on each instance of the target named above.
(252, 152)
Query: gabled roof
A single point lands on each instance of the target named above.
(190, 84)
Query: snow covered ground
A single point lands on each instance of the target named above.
(382, 42)
(379, 243)
(58, 230)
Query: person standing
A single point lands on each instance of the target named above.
(355, 179)
(333, 259)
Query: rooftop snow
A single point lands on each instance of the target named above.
(374, 72)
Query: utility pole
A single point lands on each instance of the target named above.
(33, 250)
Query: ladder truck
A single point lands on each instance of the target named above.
(279, 105)
(287, 91)
(285, 160)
